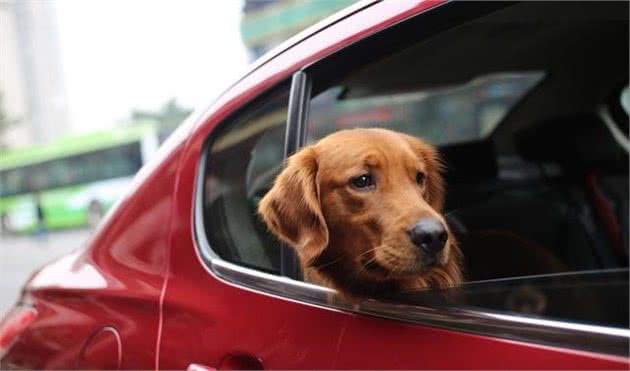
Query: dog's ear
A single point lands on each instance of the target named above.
(291, 209)
(434, 167)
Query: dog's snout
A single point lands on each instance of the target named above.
(429, 234)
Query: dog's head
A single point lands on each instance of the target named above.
(364, 205)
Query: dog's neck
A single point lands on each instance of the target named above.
(331, 271)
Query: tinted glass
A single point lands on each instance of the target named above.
(537, 186)
(89, 167)
(450, 114)
(595, 297)
(624, 99)
(243, 161)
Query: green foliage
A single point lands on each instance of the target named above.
(168, 117)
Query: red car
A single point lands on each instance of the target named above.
(528, 105)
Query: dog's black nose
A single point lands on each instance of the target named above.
(429, 234)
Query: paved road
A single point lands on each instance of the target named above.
(21, 255)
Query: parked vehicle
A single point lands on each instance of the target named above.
(523, 100)
(73, 181)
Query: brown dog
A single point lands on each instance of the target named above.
(362, 208)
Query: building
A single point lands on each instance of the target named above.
(31, 75)
(266, 23)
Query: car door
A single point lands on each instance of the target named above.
(233, 298)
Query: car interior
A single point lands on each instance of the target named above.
(242, 165)
(547, 190)
(544, 192)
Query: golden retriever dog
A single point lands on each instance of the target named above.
(362, 208)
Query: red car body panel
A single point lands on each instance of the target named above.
(117, 282)
(141, 297)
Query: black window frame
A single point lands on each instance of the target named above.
(308, 82)
(208, 252)
(295, 138)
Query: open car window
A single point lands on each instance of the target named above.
(537, 187)
(442, 115)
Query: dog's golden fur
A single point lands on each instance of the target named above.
(356, 240)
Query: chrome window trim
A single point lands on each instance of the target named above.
(583, 337)
(560, 334)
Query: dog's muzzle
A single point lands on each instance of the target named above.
(430, 235)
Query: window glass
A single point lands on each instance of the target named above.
(115, 162)
(625, 99)
(242, 164)
(13, 181)
(594, 297)
(449, 114)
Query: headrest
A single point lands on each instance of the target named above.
(469, 162)
(577, 142)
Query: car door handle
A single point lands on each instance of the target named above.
(237, 361)
(198, 367)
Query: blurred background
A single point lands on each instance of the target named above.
(90, 89)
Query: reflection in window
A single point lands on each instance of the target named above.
(625, 99)
(242, 164)
(444, 115)
(592, 297)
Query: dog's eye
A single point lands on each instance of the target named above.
(363, 181)
(420, 178)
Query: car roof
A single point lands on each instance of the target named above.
(306, 33)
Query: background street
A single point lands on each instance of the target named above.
(21, 255)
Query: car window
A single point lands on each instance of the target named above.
(528, 194)
(624, 99)
(242, 162)
(590, 297)
(450, 114)
(89, 167)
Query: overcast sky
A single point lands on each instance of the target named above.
(119, 55)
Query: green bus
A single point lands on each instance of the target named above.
(73, 181)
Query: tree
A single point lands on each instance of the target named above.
(5, 123)
(168, 117)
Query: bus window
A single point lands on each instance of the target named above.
(70, 177)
